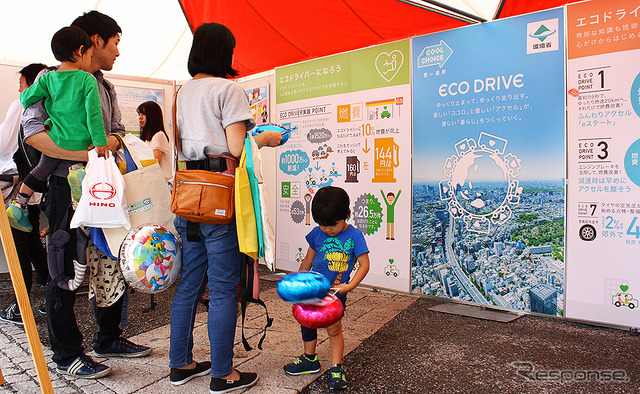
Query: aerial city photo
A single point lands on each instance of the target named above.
(517, 264)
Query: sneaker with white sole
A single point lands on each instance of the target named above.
(11, 315)
(123, 348)
(84, 367)
(303, 365)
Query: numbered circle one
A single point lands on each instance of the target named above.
(635, 95)
(632, 162)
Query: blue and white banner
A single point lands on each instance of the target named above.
(489, 163)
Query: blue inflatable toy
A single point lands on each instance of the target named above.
(286, 132)
(303, 287)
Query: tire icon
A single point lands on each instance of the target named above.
(587, 232)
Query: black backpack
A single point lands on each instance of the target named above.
(26, 157)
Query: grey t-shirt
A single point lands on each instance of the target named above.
(205, 107)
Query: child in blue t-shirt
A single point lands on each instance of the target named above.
(334, 247)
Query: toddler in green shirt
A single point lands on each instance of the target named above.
(72, 100)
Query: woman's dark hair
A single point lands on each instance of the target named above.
(330, 204)
(95, 22)
(31, 71)
(212, 51)
(67, 41)
(154, 123)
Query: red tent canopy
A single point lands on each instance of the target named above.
(273, 33)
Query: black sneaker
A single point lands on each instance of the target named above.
(303, 365)
(84, 367)
(11, 314)
(124, 348)
(42, 310)
(182, 376)
(337, 379)
(247, 379)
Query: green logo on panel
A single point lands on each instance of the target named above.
(286, 189)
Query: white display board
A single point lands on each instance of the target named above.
(603, 204)
(351, 115)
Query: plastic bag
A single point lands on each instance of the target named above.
(103, 203)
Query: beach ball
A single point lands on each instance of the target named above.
(150, 258)
(321, 314)
(304, 286)
(286, 132)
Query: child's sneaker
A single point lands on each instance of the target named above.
(75, 177)
(303, 365)
(19, 217)
(337, 379)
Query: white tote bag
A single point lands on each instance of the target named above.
(103, 203)
(268, 233)
(148, 196)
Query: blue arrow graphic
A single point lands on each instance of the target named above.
(435, 55)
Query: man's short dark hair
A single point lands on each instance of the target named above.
(31, 71)
(95, 22)
(212, 51)
(330, 204)
(67, 41)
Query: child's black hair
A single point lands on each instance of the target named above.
(329, 205)
(67, 41)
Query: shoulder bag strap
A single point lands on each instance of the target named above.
(175, 127)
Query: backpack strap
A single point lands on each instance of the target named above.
(249, 290)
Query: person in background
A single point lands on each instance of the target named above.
(213, 118)
(16, 160)
(64, 334)
(152, 132)
(330, 209)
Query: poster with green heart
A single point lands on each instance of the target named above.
(349, 117)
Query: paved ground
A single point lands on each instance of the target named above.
(395, 344)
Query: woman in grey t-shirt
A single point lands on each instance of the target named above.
(213, 118)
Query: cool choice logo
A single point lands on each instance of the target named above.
(102, 191)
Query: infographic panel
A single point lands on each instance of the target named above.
(129, 98)
(603, 205)
(489, 163)
(350, 116)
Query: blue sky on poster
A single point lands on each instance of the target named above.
(530, 118)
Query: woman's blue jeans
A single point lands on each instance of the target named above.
(215, 260)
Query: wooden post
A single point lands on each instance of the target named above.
(23, 302)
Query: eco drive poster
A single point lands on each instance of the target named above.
(603, 206)
(489, 163)
(351, 120)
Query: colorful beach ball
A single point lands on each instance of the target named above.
(150, 258)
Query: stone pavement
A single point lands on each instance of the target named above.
(367, 312)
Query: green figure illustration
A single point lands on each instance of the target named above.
(390, 199)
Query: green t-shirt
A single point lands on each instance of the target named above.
(72, 101)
